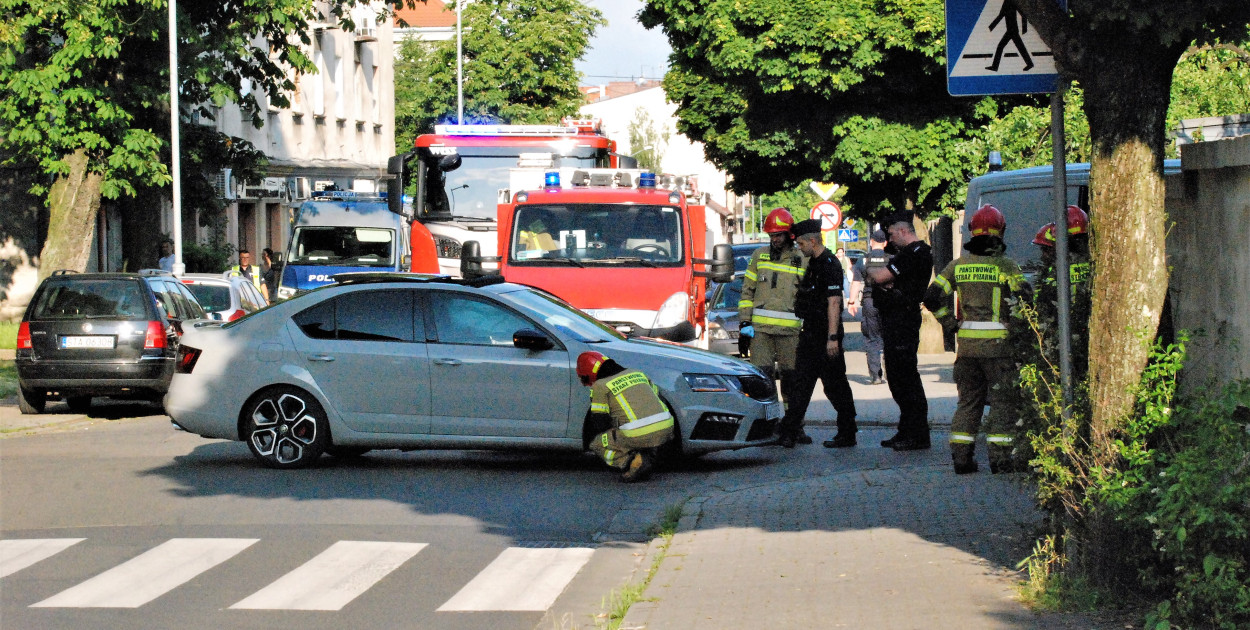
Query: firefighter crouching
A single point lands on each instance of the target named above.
(985, 372)
(640, 421)
(769, 287)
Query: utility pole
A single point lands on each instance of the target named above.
(175, 145)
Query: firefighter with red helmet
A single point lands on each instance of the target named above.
(1078, 247)
(627, 402)
(769, 288)
(984, 282)
(1046, 301)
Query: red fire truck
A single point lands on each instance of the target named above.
(462, 173)
(612, 244)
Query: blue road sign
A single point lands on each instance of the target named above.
(992, 49)
(848, 235)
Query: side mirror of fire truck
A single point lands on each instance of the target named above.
(397, 166)
(721, 267)
(471, 260)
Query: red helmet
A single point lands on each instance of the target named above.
(988, 221)
(588, 364)
(1078, 221)
(1045, 236)
(779, 220)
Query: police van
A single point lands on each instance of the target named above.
(340, 232)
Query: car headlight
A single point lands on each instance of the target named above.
(285, 293)
(707, 382)
(673, 312)
(715, 331)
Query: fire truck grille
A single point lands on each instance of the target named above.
(758, 388)
(447, 247)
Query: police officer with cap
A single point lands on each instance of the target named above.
(898, 289)
(820, 354)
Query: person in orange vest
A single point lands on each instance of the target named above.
(987, 282)
(626, 401)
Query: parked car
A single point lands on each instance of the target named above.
(100, 334)
(227, 296)
(742, 254)
(722, 317)
(408, 361)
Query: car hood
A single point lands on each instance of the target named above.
(647, 355)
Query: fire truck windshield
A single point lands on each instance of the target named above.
(614, 234)
(471, 191)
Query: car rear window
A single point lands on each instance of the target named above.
(121, 299)
(213, 297)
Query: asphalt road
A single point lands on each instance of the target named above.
(122, 521)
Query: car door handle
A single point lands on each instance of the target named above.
(323, 358)
(447, 361)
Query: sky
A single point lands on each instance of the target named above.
(623, 49)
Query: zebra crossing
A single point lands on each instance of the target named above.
(518, 579)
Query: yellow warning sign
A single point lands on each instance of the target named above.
(825, 190)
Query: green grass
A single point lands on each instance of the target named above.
(8, 335)
(8, 379)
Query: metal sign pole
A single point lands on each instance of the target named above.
(175, 144)
(1062, 279)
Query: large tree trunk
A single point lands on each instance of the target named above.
(73, 205)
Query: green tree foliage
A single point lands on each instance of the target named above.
(518, 67)
(647, 140)
(852, 91)
(84, 90)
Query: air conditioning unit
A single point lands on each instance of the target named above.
(224, 185)
(366, 33)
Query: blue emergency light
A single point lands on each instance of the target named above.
(646, 180)
(552, 179)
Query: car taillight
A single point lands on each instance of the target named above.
(235, 315)
(155, 337)
(187, 356)
(23, 336)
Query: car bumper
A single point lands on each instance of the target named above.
(144, 378)
(753, 423)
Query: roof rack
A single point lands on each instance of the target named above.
(154, 272)
(372, 277)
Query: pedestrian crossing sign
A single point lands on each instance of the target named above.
(992, 49)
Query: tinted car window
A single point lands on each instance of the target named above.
(363, 316)
(116, 299)
(465, 320)
(729, 295)
(191, 308)
(213, 297)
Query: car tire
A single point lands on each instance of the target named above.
(78, 404)
(30, 402)
(346, 452)
(285, 427)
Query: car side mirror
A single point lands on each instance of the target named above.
(533, 340)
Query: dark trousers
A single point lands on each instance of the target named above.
(901, 344)
(811, 363)
(870, 326)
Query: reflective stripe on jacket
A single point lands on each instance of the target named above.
(983, 285)
(768, 290)
(639, 416)
(255, 274)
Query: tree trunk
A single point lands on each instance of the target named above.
(73, 205)
(1126, 101)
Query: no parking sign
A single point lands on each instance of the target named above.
(829, 214)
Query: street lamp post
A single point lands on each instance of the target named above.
(459, 68)
(175, 148)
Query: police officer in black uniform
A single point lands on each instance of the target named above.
(820, 354)
(898, 289)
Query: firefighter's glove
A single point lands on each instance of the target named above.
(747, 331)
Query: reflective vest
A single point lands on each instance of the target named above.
(984, 285)
(769, 288)
(641, 419)
(255, 274)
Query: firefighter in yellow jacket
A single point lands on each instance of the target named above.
(640, 421)
(985, 372)
(766, 308)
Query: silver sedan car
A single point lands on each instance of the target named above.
(406, 361)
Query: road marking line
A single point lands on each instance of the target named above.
(520, 579)
(150, 574)
(16, 555)
(333, 578)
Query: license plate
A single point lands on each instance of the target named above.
(88, 341)
(774, 410)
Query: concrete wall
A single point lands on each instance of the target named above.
(1209, 254)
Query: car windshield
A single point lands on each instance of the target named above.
(558, 314)
(91, 299)
(472, 189)
(343, 246)
(637, 235)
(213, 297)
(729, 295)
